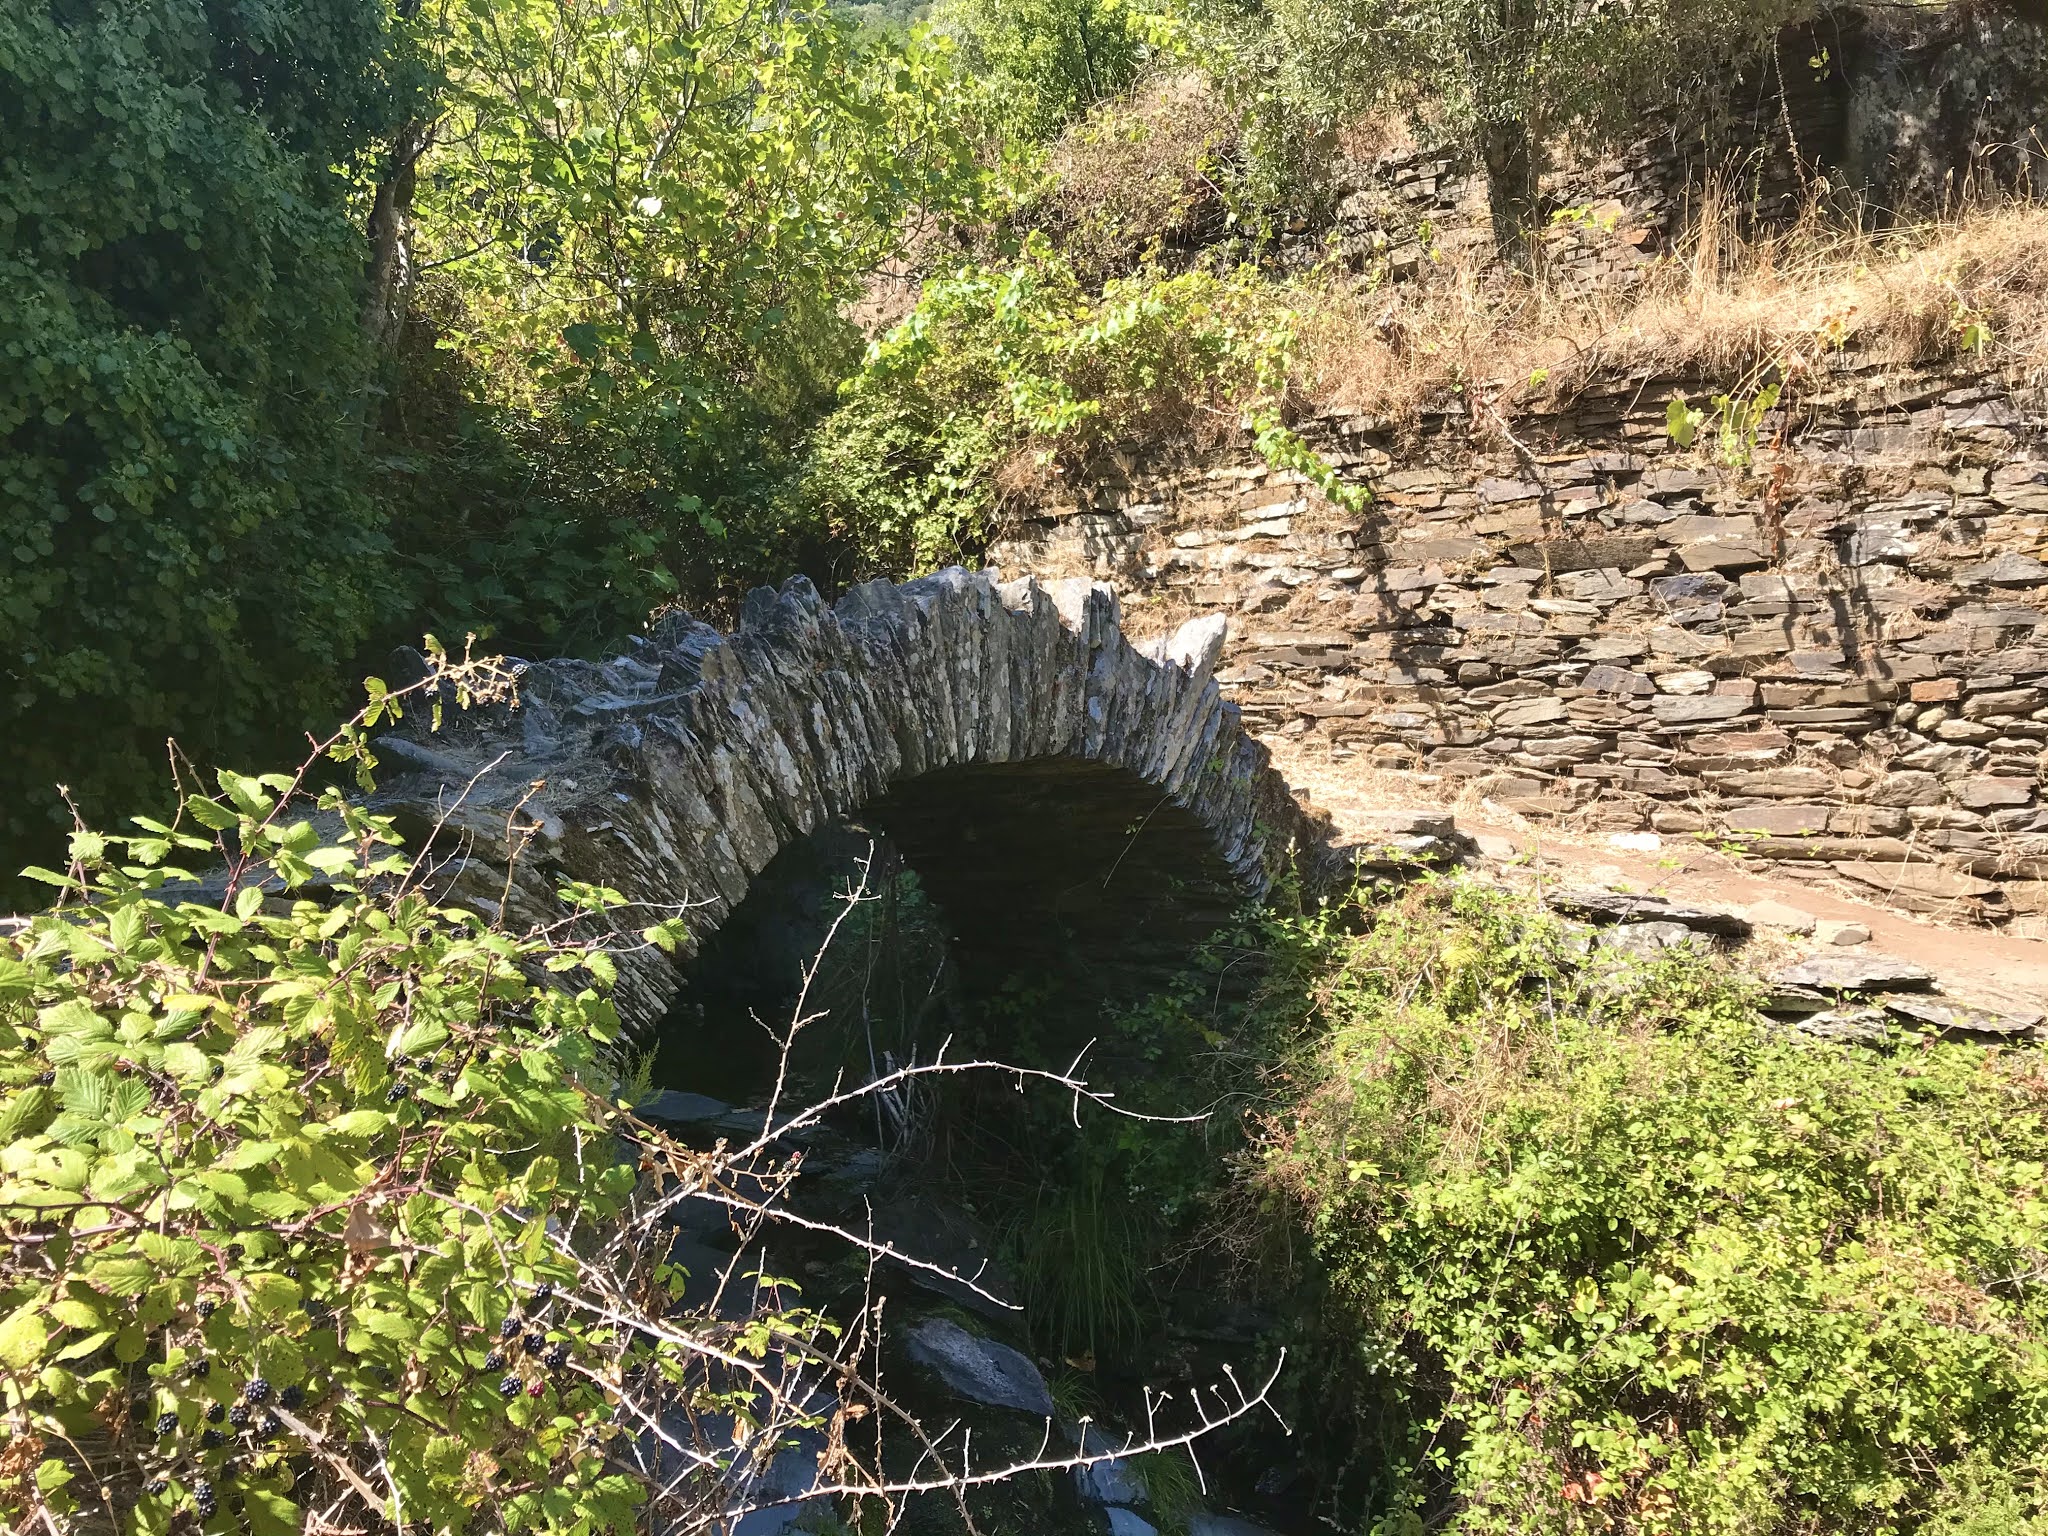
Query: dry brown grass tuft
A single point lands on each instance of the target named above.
(1136, 177)
(1721, 306)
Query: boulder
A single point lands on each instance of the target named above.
(1646, 940)
(1846, 1026)
(1959, 1019)
(1856, 973)
(1202, 1523)
(1598, 906)
(1115, 1481)
(978, 1370)
(1776, 914)
(672, 1107)
(1841, 931)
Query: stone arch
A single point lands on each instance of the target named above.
(1055, 785)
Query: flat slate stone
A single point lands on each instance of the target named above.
(978, 1370)
(1847, 1026)
(1417, 823)
(1856, 973)
(1598, 906)
(1961, 1019)
(1681, 710)
(1794, 1001)
(1646, 940)
(672, 1107)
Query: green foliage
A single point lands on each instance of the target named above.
(999, 367)
(651, 216)
(1040, 64)
(1635, 1259)
(293, 1172)
(1507, 80)
(187, 540)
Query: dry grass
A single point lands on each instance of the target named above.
(1720, 307)
(1136, 178)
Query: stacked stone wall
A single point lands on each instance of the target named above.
(1834, 658)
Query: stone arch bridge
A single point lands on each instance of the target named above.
(1069, 799)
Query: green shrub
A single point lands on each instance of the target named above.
(1040, 64)
(1637, 1260)
(997, 369)
(647, 221)
(293, 1170)
(187, 540)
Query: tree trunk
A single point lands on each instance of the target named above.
(390, 231)
(1511, 188)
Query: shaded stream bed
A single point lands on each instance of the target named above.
(1089, 1261)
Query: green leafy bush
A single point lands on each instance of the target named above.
(645, 222)
(315, 1195)
(183, 517)
(1040, 64)
(1636, 1260)
(1003, 368)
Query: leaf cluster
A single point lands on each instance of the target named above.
(183, 522)
(999, 368)
(1633, 1258)
(299, 1177)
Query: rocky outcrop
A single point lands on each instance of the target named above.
(1071, 800)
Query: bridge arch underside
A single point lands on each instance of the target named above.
(1079, 809)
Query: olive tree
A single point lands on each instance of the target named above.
(1507, 78)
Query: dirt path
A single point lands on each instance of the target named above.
(1979, 965)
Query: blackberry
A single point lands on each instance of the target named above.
(509, 1388)
(239, 1415)
(203, 1500)
(494, 1361)
(166, 1424)
(207, 1307)
(543, 1295)
(212, 1438)
(556, 1357)
(535, 1342)
(510, 1327)
(44, 1079)
(291, 1399)
(291, 1271)
(535, 1388)
(257, 1391)
(156, 1488)
(199, 1369)
(268, 1426)
(396, 1092)
(215, 1413)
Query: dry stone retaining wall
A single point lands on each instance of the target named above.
(1836, 659)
